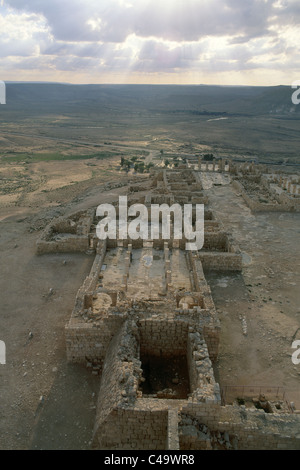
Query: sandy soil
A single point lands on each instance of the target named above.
(45, 402)
(49, 404)
(266, 295)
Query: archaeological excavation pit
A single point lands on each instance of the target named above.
(165, 377)
(163, 354)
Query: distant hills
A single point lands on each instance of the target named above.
(45, 97)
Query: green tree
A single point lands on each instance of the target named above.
(150, 165)
(141, 167)
(127, 165)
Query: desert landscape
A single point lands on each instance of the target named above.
(66, 149)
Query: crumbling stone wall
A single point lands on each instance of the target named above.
(66, 234)
(201, 374)
(282, 204)
(126, 420)
(215, 241)
(247, 429)
(221, 261)
(119, 425)
(87, 341)
(70, 244)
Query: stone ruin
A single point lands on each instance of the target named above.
(145, 321)
(262, 190)
(66, 234)
(267, 192)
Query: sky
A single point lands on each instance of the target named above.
(223, 42)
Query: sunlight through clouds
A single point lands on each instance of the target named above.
(149, 41)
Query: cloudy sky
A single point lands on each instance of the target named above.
(244, 42)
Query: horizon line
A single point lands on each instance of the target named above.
(138, 84)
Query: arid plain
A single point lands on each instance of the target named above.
(60, 152)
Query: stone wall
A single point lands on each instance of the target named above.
(212, 338)
(66, 234)
(88, 342)
(88, 337)
(68, 244)
(249, 429)
(285, 203)
(290, 201)
(215, 241)
(130, 429)
(163, 337)
(221, 261)
(202, 381)
(120, 423)
(126, 420)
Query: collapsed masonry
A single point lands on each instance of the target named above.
(269, 192)
(262, 190)
(145, 320)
